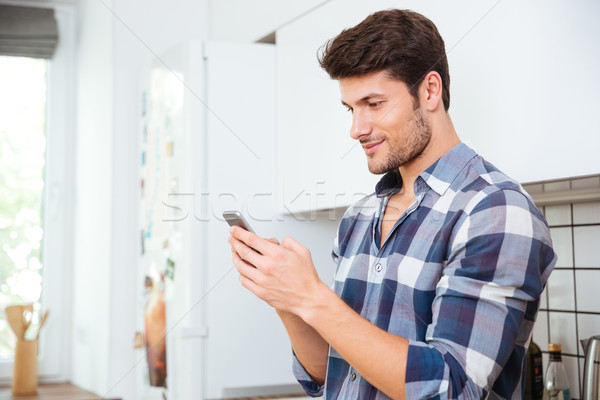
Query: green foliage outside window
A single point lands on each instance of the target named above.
(22, 159)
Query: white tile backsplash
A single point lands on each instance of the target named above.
(561, 290)
(540, 330)
(586, 213)
(558, 215)
(563, 246)
(571, 367)
(581, 367)
(587, 325)
(570, 304)
(587, 246)
(588, 290)
(562, 330)
(544, 298)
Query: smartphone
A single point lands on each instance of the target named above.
(235, 218)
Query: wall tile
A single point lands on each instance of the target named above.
(563, 246)
(558, 215)
(587, 246)
(588, 325)
(544, 298)
(586, 213)
(581, 369)
(562, 330)
(571, 366)
(561, 291)
(540, 330)
(577, 247)
(588, 290)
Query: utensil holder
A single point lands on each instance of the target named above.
(25, 368)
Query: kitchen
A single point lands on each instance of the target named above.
(526, 87)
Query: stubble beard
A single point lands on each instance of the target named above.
(413, 146)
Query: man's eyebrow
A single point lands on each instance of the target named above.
(365, 99)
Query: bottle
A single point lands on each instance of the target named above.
(534, 376)
(557, 383)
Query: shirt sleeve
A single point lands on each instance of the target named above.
(499, 258)
(310, 386)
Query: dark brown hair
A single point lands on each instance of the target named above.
(402, 42)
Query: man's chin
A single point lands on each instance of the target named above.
(376, 169)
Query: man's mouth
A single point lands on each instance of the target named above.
(371, 147)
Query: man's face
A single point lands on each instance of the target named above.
(391, 130)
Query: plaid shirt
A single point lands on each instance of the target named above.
(460, 276)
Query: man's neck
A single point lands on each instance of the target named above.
(443, 138)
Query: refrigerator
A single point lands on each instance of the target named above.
(207, 144)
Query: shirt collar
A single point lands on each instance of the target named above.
(390, 183)
(439, 176)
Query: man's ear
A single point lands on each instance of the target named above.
(430, 92)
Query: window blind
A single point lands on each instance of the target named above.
(27, 31)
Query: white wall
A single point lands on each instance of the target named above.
(248, 21)
(93, 192)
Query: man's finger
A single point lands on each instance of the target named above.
(252, 240)
(246, 253)
(246, 269)
(250, 285)
(291, 244)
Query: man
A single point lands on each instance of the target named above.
(439, 272)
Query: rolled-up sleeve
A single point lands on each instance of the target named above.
(310, 386)
(486, 301)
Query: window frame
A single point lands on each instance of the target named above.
(57, 256)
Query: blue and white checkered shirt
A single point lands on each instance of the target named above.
(460, 276)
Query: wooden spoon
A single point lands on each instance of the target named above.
(27, 317)
(14, 315)
(44, 318)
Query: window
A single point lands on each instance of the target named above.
(36, 163)
(22, 151)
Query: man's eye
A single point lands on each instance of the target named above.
(349, 109)
(376, 104)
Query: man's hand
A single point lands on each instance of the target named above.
(283, 275)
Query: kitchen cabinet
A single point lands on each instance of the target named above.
(319, 165)
(520, 94)
(520, 89)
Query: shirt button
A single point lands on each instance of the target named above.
(352, 376)
(378, 267)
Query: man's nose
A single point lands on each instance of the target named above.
(361, 125)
